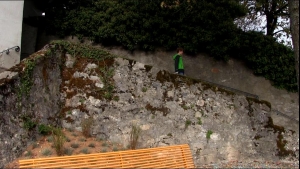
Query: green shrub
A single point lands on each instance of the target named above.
(44, 129)
(58, 141)
(28, 123)
(143, 26)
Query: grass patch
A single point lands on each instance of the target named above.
(85, 151)
(82, 139)
(74, 145)
(46, 152)
(68, 151)
(70, 129)
(115, 149)
(68, 140)
(99, 139)
(92, 145)
(104, 144)
(28, 154)
(104, 150)
(50, 139)
(34, 145)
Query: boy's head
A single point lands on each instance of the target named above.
(180, 51)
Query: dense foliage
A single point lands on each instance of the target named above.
(196, 25)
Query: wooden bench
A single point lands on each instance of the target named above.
(178, 156)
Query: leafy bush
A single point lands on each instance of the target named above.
(204, 26)
(28, 123)
(44, 129)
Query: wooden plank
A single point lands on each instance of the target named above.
(178, 156)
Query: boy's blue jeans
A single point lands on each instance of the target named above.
(181, 72)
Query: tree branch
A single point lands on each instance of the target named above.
(280, 9)
(278, 32)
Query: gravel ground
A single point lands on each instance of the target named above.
(254, 164)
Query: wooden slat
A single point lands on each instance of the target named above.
(178, 156)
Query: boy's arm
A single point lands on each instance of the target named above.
(176, 63)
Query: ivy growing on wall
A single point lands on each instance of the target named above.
(26, 80)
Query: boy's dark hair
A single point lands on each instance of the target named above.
(179, 49)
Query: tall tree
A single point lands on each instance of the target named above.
(294, 22)
(273, 15)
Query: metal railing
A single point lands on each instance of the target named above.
(7, 51)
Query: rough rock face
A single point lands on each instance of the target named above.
(20, 116)
(169, 109)
(172, 109)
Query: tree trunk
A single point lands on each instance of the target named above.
(294, 22)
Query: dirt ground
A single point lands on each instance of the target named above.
(43, 149)
(75, 144)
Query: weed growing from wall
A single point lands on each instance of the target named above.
(134, 136)
(58, 141)
(81, 50)
(107, 74)
(26, 80)
(44, 129)
(199, 121)
(208, 134)
(28, 123)
(86, 125)
(187, 123)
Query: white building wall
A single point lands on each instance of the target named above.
(11, 18)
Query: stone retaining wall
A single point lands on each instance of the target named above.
(117, 93)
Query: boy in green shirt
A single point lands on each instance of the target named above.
(179, 68)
